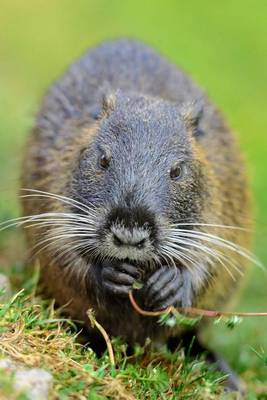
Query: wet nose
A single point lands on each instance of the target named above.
(135, 238)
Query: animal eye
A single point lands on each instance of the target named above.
(104, 161)
(176, 171)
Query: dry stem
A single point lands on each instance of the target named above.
(193, 311)
(104, 334)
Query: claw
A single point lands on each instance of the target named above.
(169, 290)
(167, 287)
(130, 270)
(121, 290)
(118, 279)
(162, 283)
(112, 275)
(173, 300)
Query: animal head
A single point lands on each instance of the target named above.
(140, 174)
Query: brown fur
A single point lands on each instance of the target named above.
(53, 152)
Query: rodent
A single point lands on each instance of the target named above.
(145, 164)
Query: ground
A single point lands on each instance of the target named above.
(223, 46)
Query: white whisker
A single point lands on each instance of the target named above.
(213, 253)
(211, 226)
(219, 242)
(63, 199)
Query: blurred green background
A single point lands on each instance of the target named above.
(222, 45)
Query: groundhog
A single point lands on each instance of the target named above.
(131, 175)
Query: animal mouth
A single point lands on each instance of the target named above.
(139, 244)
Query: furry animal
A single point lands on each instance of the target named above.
(132, 175)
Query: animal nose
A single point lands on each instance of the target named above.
(136, 238)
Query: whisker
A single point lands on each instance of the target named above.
(179, 255)
(213, 253)
(222, 243)
(196, 262)
(63, 224)
(211, 226)
(61, 237)
(52, 240)
(66, 251)
(167, 258)
(46, 218)
(64, 199)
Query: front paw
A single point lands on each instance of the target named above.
(118, 279)
(168, 286)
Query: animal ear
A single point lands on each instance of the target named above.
(106, 102)
(191, 114)
(108, 98)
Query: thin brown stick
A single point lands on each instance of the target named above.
(192, 311)
(104, 334)
(148, 313)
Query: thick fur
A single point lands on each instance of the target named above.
(124, 96)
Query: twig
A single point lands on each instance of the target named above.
(104, 334)
(193, 311)
(148, 313)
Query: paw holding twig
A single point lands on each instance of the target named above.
(118, 279)
(191, 311)
(167, 290)
(167, 287)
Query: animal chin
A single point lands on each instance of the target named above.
(134, 248)
(126, 252)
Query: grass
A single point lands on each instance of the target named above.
(223, 46)
(28, 323)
